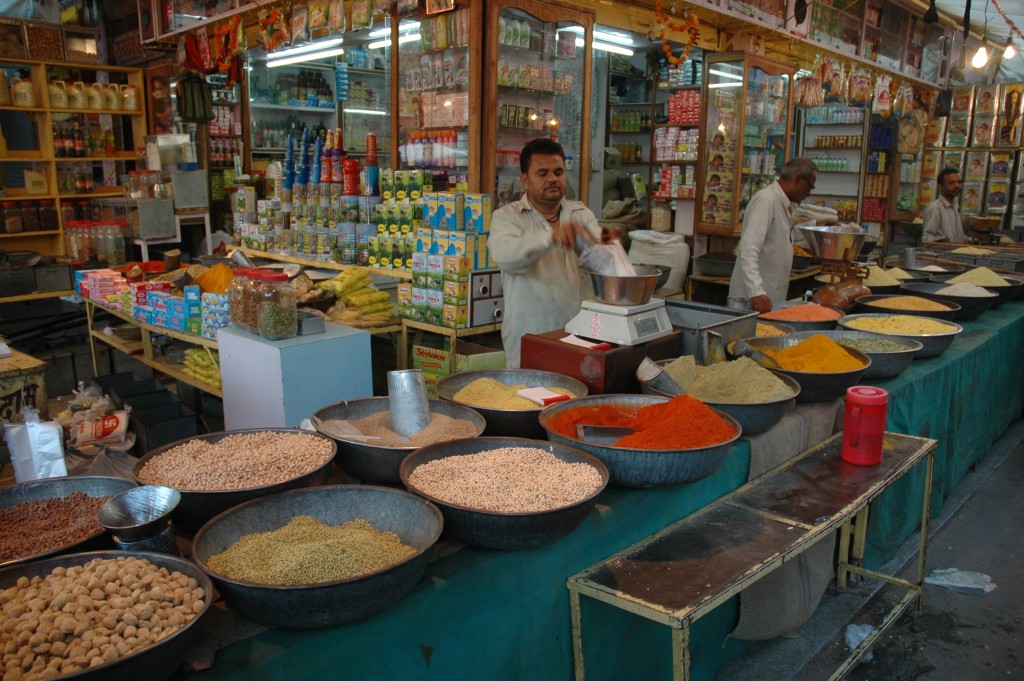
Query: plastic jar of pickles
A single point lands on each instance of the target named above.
(276, 314)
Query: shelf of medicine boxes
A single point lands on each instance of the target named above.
(124, 123)
(142, 350)
(324, 265)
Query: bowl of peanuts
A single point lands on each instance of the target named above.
(321, 556)
(43, 518)
(115, 629)
(506, 492)
(216, 471)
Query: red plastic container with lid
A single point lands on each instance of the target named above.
(864, 425)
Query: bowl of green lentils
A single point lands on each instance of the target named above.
(889, 356)
(320, 556)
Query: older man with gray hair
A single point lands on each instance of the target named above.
(765, 254)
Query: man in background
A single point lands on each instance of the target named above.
(765, 255)
(941, 217)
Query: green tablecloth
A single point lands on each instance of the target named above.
(504, 615)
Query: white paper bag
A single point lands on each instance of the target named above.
(37, 448)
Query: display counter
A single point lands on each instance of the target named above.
(481, 614)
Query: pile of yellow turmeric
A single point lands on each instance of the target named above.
(818, 354)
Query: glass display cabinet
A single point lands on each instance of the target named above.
(438, 74)
(541, 53)
(749, 108)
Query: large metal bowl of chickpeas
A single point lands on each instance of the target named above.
(319, 557)
(494, 393)
(216, 471)
(102, 615)
(43, 518)
(506, 492)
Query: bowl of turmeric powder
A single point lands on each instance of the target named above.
(674, 440)
(823, 368)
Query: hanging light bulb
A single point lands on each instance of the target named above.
(1009, 52)
(980, 58)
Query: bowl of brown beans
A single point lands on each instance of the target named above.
(915, 306)
(132, 615)
(216, 471)
(506, 492)
(492, 392)
(319, 557)
(368, 449)
(43, 518)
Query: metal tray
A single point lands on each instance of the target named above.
(696, 320)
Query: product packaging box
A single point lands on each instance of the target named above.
(419, 304)
(450, 211)
(456, 268)
(477, 213)
(435, 306)
(419, 269)
(429, 209)
(456, 292)
(455, 316)
(435, 272)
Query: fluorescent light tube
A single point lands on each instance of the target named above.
(300, 58)
(304, 49)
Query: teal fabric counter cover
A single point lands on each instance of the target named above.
(494, 616)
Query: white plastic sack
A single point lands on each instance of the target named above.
(37, 448)
(661, 248)
(219, 242)
(609, 259)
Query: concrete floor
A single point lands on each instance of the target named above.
(958, 637)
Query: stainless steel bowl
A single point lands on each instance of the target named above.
(666, 272)
(510, 422)
(57, 488)
(753, 417)
(876, 303)
(798, 325)
(933, 344)
(883, 364)
(814, 387)
(786, 329)
(626, 290)
(834, 242)
(1004, 294)
(643, 467)
(378, 463)
(970, 306)
(1016, 278)
(139, 513)
(495, 530)
(417, 522)
(198, 506)
(157, 662)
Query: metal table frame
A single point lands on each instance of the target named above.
(775, 517)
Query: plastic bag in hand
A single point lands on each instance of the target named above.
(609, 259)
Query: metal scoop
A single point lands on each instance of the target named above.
(602, 435)
(741, 349)
(653, 376)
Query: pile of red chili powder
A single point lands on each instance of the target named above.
(680, 423)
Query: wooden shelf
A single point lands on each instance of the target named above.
(35, 296)
(254, 106)
(142, 350)
(99, 112)
(29, 235)
(252, 253)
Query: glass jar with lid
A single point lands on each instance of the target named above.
(48, 216)
(243, 307)
(29, 216)
(277, 314)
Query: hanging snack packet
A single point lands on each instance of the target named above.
(882, 104)
(832, 79)
(336, 16)
(300, 25)
(860, 88)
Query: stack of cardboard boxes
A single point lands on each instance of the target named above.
(436, 363)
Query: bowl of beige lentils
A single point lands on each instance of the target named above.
(320, 556)
(216, 471)
(506, 492)
(104, 615)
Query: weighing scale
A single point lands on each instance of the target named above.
(621, 324)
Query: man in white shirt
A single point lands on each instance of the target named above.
(941, 217)
(533, 242)
(765, 256)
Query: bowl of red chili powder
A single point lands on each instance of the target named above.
(676, 440)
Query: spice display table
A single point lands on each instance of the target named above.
(502, 615)
(715, 290)
(685, 571)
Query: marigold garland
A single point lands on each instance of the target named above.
(690, 26)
